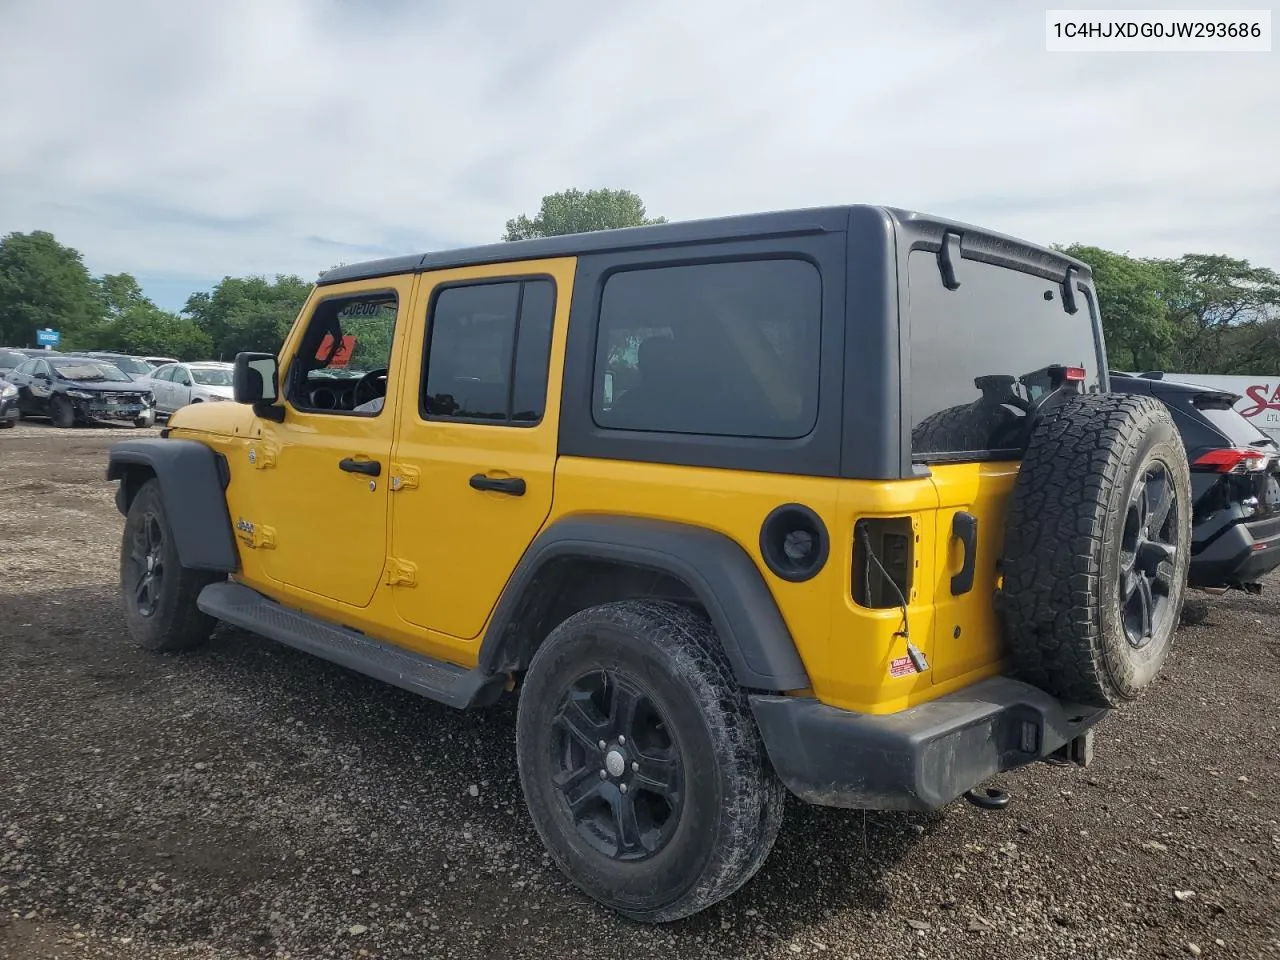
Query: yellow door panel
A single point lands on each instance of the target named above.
(313, 477)
(972, 499)
(471, 495)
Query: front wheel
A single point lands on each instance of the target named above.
(158, 593)
(148, 419)
(62, 413)
(641, 764)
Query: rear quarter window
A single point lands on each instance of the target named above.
(715, 349)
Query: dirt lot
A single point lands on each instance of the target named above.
(250, 801)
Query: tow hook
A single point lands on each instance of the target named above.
(988, 799)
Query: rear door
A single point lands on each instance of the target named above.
(474, 460)
(160, 387)
(978, 350)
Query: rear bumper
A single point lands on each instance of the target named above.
(918, 759)
(1243, 553)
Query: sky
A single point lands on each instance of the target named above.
(183, 141)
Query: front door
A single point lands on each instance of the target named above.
(179, 389)
(160, 386)
(322, 474)
(475, 459)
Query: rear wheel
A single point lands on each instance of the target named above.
(158, 593)
(641, 764)
(1097, 545)
(62, 413)
(146, 420)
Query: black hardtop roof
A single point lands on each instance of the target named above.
(810, 220)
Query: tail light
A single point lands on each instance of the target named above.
(1231, 460)
(883, 562)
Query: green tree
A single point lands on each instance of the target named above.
(1135, 320)
(131, 323)
(1225, 312)
(572, 211)
(247, 313)
(43, 284)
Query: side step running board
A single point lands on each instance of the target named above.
(445, 682)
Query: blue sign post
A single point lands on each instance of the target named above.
(48, 338)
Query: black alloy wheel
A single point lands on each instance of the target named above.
(147, 565)
(616, 765)
(1148, 553)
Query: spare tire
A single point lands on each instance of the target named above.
(980, 425)
(1097, 543)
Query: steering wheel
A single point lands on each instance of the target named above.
(370, 387)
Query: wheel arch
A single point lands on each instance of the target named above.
(584, 560)
(193, 480)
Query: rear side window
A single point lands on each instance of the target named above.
(979, 355)
(488, 352)
(1228, 421)
(721, 349)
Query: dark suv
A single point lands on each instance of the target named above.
(1235, 482)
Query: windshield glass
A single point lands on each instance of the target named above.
(88, 370)
(132, 366)
(211, 376)
(981, 355)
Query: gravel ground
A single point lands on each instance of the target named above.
(250, 801)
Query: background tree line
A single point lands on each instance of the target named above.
(1204, 313)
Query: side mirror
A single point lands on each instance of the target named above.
(254, 382)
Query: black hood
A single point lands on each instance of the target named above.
(101, 386)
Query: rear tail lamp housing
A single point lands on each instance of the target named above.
(1232, 460)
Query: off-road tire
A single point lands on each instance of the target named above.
(1195, 611)
(62, 413)
(732, 803)
(1061, 590)
(969, 426)
(174, 622)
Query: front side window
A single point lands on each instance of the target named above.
(981, 355)
(723, 349)
(27, 369)
(343, 358)
(488, 352)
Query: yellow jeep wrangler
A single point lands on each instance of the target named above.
(830, 502)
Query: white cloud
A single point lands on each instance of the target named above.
(269, 136)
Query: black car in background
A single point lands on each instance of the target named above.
(8, 403)
(9, 359)
(72, 389)
(1235, 484)
(13, 357)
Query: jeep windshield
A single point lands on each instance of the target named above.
(983, 354)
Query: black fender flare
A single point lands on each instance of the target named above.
(193, 479)
(719, 572)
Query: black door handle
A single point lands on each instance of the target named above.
(964, 526)
(370, 468)
(511, 485)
